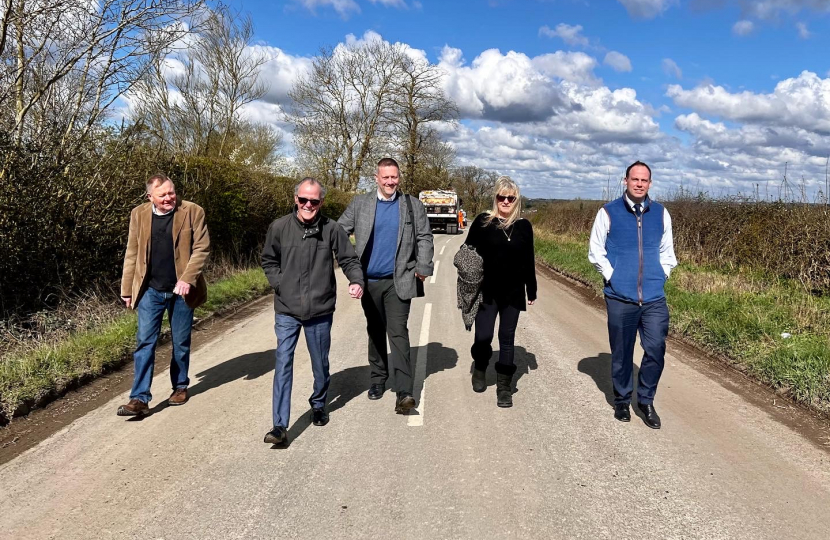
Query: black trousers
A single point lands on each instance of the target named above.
(387, 315)
(485, 327)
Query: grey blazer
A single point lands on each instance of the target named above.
(414, 250)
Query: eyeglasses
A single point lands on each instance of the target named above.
(509, 198)
(303, 201)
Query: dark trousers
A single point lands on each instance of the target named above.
(387, 315)
(318, 339)
(485, 327)
(651, 320)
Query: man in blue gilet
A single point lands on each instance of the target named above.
(631, 246)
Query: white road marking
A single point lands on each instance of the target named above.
(442, 250)
(421, 369)
(435, 272)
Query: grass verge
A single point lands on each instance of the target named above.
(772, 329)
(32, 378)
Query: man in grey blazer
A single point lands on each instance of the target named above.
(394, 242)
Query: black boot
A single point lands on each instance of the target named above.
(479, 380)
(504, 389)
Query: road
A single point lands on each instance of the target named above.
(556, 465)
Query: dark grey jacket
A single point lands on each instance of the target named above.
(300, 266)
(414, 249)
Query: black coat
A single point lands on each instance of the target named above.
(509, 265)
(297, 259)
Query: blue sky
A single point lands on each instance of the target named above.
(716, 94)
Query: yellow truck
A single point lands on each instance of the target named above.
(442, 209)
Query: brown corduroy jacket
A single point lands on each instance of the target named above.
(191, 247)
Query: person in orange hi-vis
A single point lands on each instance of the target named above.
(460, 219)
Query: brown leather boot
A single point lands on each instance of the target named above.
(135, 407)
(178, 397)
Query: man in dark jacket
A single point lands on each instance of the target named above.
(297, 259)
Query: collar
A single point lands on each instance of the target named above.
(631, 203)
(304, 224)
(157, 212)
(390, 199)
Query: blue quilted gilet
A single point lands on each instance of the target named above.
(633, 248)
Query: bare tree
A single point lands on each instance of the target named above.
(65, 62)
(475, 188)
(435, 162)
(340, 109)
(419, 102)
(200, 112)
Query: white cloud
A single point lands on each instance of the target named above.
(567, 33)
(280, 72)
(743, 28)
(803, 32)
(802, 102)
(347, 7)
(646, 9)
(506, 87)
(400, 4)
(569, 66)
(671, 68)
(617, 61)
(774, 9)
(603, 115)
(343, 7)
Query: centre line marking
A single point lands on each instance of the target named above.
(442, 250)
(421, 369)
(435, 272)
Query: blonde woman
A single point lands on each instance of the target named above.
(505, 242)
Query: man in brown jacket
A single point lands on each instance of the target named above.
(167, 248)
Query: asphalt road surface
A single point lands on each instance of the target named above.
(556, 465)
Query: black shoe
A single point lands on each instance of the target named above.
(278, 435)
(376, 391)
(622, 413)
(319, 417)
(504, 390)
(479, 380)
(404, 403)
(650, 415)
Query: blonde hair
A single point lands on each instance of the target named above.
(505, 186)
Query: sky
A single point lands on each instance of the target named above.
(718, 96)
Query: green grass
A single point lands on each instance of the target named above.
(738, 315)
(30, 377)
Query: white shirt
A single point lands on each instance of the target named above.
(158, 212)
(599, 234)
(390, 199)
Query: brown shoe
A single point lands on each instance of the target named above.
(135, 407)
(178, 397)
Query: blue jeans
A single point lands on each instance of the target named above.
(624, 321)
(151, 310)
(318, 338)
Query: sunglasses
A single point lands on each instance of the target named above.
(303, 201)
(508, 198)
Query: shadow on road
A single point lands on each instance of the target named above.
(248, 366)
(599, 368)
(354, 382)
(525, 363)
(439, 358)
